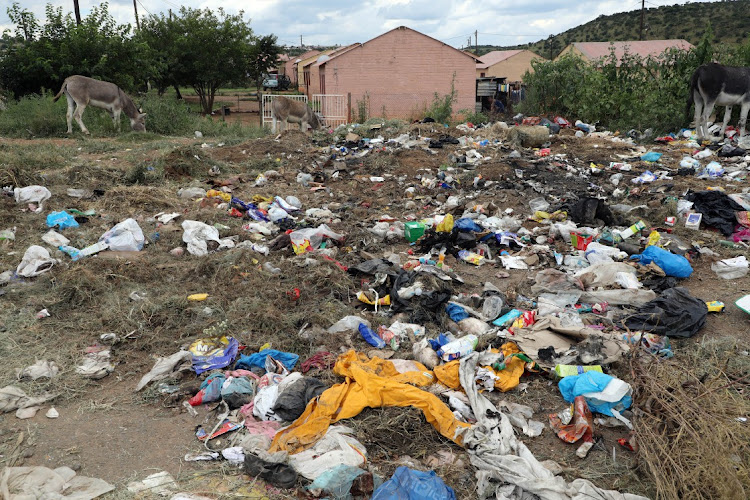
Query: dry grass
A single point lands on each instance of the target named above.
(692, 438)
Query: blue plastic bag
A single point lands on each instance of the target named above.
(210, 390)
(456, 312)
(370, 336)
(336, 483)
(588, 382)
(410, 484)
(61, 219)
(672, 264)
(651, 156)
(258, 359)
(465, 224)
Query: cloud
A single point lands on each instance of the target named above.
(330, 22)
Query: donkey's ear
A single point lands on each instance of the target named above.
(143, 115)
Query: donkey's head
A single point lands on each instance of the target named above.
(138, 124)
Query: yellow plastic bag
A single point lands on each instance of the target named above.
(213, 193)
(445, 225)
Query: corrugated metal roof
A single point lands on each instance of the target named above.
(645, 48)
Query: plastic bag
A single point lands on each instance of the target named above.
(237, 391)
(492, 307)
(672, 264)
(410, 484)
(35, 261)
(258, 359)
(124, 237)
(603, 393)
(370, 336)
(197, 235)
(210, 390)
(61, 219)
(32, 194)
(347, 323)
(731, 268)
(213, 352)
(308, 239)
(675, 313)
(445, 225)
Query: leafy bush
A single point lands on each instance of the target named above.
(632, 93)
(474, 117)
(441, 109)
(33, 115)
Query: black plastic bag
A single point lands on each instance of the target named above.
(675, 313)
(292, 402)
(718, 209)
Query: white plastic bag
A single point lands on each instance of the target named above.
(124, 237)
(197, 235)
(347, 323)
(36, 260)
(308, 239)
(32, 194)
(335, 448)
(730, 269)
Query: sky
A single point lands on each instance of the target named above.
(342, 22)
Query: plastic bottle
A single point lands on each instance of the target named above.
(74, 253)
(568, 370)
(370, 336)
(458, 348)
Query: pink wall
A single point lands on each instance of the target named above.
(400, 71)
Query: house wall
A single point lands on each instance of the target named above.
(400, 71)
(512, 68)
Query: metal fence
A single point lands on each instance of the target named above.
(265, 108)
(334, 108)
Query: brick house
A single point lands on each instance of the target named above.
(592, 51)
(508, 64)
(396, 74)
(290, 65)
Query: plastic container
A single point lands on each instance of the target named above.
(507, 318)
(568, 370)
(635, 228)
(580, 241)
(413, 231)
(458, 348)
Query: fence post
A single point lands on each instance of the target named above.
(260, 107)
(348, 107)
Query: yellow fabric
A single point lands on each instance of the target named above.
(447, 374)
(213, 193)
(369, 383)
(445, 225)
(514, 368)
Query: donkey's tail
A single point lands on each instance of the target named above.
(62, 89)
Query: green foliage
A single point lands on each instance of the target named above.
(41, 57)
(167, 115)
(441, 109)
(362, 109)
(204, 50)
(33, 116)
(686, 21)
(264, 56)
(636, 93)
(474, 117)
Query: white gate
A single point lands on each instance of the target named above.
(265, 106)
(332, 107)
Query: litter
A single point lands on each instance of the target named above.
(40, 482)
(36, 260)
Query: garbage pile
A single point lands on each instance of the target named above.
(510, 257)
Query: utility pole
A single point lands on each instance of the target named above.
(137, 24)
(77, 11)
(476, 43)
(170, 14)
(300, 41)
(643, 13)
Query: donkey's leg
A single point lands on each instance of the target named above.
(116, 118)
(727, 116)
(743, 117)
(69, 114)
(698, 117)
(708, 108)
(78, 115)
(274, 123)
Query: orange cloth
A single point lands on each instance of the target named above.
(447, 374)
(369, 383)
(507, 379)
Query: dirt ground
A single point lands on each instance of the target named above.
(108, 431)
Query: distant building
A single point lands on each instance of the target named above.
(508, 64)
(593, 51)
(290, 64)
(396, 73)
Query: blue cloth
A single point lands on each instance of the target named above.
(588, 382)
(258, 359)
(456, 312)
(672, 264)
(410, 484)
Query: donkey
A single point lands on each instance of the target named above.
(289, 110)
(716, 85)
(82, 91)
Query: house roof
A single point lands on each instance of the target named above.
(306, 55)
(646, 48)
(337, 52)
(494, 57)
(333, 56)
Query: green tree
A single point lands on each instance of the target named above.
(208, 51)
(264, 55)
(43, 56)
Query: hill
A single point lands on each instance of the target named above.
(730, 21)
